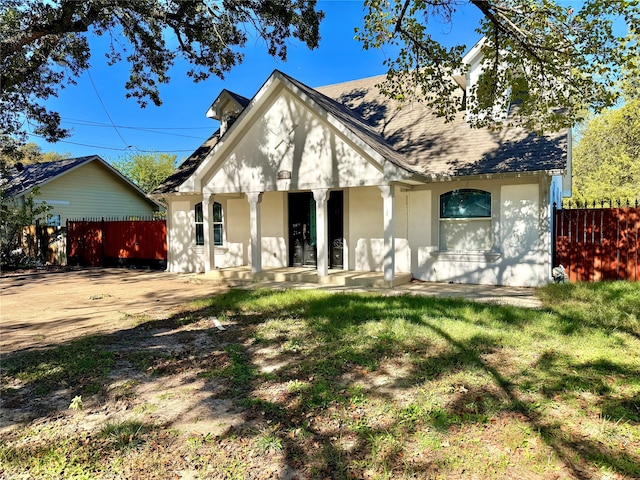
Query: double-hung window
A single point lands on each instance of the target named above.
(465, 221)
(217, 222)
(218, 225)
(199, 223)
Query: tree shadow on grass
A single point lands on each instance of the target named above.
(615, 306)
(322, 392)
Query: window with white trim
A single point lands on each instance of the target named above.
(465, 221)
(218, 225)
(199, 223)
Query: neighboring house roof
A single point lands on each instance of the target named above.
(38, 174)
(34, 175)
(411, 136)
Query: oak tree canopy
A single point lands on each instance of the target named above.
(146, 170)
(44, 46)
(606, 158)
(556, 60)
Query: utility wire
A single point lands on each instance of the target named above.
(93, 122)
(105, 109)
(115, 148)
(141, 129)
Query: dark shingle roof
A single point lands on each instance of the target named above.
(37, 174)
(243, 101)
(413, 137)
(187, 167)
(431, 146)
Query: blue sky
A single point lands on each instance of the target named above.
(179, 126)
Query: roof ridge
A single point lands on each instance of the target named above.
(354, 80)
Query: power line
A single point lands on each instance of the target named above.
(92, 122)
(141, 129)
(105, 108)
(117, 149)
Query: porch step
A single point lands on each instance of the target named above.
(240, 275)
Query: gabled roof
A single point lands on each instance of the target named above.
(353, 122)
(411, 136)
(224, 97)
(244, 101)
(39, 174)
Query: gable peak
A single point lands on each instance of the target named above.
(226, 108)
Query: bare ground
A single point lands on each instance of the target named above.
(47, 307)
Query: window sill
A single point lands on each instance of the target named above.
(489, 257)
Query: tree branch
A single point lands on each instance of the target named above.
(61, 24)
(398, 27)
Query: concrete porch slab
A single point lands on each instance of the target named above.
(308, 275)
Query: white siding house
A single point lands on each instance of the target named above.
(82, 187)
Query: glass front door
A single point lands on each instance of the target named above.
(302, 229)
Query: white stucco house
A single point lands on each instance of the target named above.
(339, 178)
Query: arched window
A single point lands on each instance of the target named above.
(465, 220)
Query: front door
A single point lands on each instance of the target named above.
(302, 229)
(336, 229)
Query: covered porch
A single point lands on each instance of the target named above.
(347, 278)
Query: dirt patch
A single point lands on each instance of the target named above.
(42, 309)
(47, 307)
(158, 383)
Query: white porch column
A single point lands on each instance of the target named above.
(169, 220)
(321, 196)
(256, 231)
(207, 231)
(389, 265)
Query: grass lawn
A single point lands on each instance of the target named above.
(319, 385)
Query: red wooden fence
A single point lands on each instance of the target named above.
(108, 243)
(598, 243)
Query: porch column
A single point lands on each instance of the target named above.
(256, 231)
(169, 221)
(389, 264)
(321, 196)
(207, 231)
